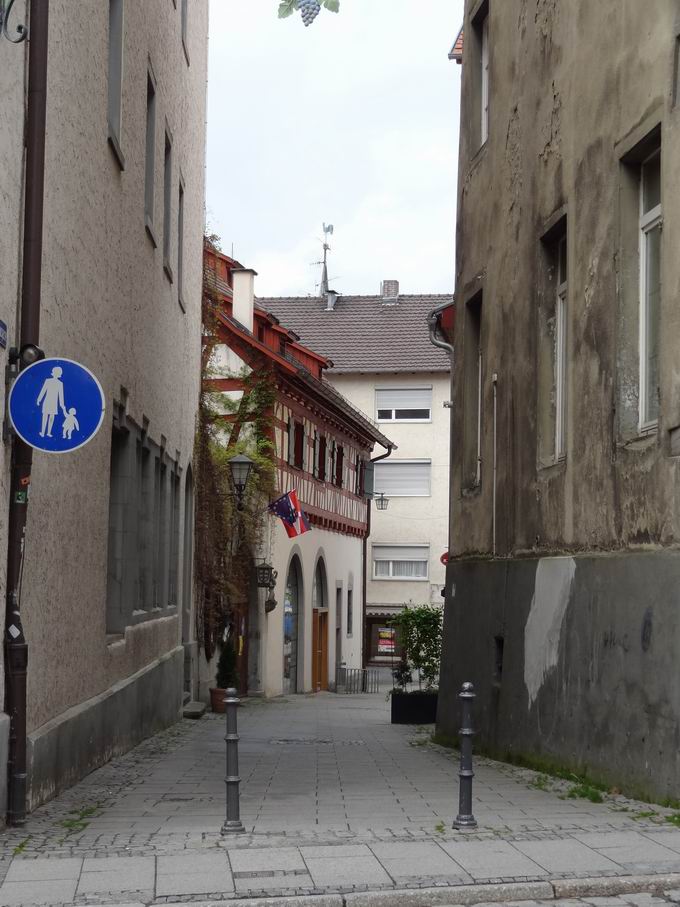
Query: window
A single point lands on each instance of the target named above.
(115, 102)
(167, 204)
(650, 288)
(350, 612)
(180, 244)
(401, 562)
(150, 153)
(143, 544)
(290, 456)
(479, 85)
(552, 349)
(359, 477)
(484, 131)
(399, 404)
(406, 478)
(299, 446)
(339, 465)
(321, 458)
(185, 16)
(472, 391)
(561, 350)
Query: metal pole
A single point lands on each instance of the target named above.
(16, 647)
(233, 822)
(465, 819)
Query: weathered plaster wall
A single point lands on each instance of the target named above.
(107, 302)
(572, 88)
(410, 520)
(589, 674)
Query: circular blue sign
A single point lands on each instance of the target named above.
(56, 405)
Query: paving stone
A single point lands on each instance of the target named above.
(52, 891)
(43, 870)
(417, 860)
(566, 855)
(492, 859)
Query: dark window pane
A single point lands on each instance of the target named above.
(412, 414)
(384, 413)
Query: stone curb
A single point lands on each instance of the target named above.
(464, 895)
(611, 886)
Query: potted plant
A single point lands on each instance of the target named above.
(420, 633)
(226, 676)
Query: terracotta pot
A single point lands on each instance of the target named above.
(217, 699)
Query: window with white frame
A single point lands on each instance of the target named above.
(403, 404)
(561, 350)
(650, 288)
(401, 562)
(403, 478)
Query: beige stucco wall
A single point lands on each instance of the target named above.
(108, 304)
(412, 520)
(11, 233)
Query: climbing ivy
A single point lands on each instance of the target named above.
(227, 539)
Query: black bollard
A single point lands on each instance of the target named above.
(465, 819)
(233, 822)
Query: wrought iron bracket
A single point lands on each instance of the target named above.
(21, 32)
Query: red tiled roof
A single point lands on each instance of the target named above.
(456, 52)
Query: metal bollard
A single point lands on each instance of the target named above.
(465, 819)
(233, 822)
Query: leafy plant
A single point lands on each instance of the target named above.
(420, 634)
(226, 667)
(288, 7)
(402, 675)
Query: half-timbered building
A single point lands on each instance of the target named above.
(322, 447)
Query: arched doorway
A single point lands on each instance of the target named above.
(292, 607)
(320, 628)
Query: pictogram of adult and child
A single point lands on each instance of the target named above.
(51, 400)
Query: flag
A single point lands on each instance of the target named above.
(288, 508)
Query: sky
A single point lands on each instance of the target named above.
(352, 121)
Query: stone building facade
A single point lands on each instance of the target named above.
(562, 599)
(107, 569)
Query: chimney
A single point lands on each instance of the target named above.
(331, 299)
(389, 290)
(244, 296)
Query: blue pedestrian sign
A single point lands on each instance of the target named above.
(56, 405)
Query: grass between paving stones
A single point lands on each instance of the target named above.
(79, 821)
(21, 846)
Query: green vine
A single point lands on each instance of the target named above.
(227, 539)
(420, 635)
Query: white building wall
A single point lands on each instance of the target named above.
(412, 520)
(342, 556)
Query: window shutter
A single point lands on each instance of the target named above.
(404, 398)
(369, 479)
(315, 456)
(403, 478)
(291, 442)
(401, 552)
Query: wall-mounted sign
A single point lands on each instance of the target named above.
(386, 640)
(56, 405)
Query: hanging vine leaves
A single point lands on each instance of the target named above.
(227, 539)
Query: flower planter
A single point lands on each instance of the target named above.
(217, 696)
(414, 708)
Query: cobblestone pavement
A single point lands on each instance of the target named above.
(337, 803)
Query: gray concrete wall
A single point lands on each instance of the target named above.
(91, 733)
(589, 675)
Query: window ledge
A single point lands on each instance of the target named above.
(114, 145)
(557, 467)
(150, 231)
(642, 442)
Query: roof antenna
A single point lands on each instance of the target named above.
(327, 231)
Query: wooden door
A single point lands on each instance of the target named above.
(316, 673)
(323, 649)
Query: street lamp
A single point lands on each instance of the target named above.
(381, 501)
(240, 467)
(264, 575)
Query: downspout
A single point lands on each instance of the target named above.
(16, 647)
(364, 659)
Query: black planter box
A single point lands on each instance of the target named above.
(413, 708)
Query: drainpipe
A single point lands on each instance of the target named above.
(16, 647)
(364, 659)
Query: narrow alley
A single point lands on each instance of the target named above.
(334, 799)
